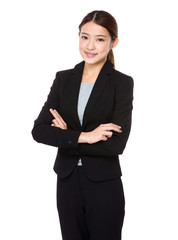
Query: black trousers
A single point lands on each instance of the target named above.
(90, 210)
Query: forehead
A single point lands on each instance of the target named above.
(92, 28)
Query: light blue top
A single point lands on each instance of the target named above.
(84, 93)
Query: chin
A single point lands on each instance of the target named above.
(90, 61)
(93, 61)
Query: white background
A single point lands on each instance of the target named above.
(39, 38)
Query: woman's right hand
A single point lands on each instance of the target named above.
(102, 132)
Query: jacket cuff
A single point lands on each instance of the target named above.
(69, 139)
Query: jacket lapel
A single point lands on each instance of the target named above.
(97, 89)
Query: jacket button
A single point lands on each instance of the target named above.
(69, 141)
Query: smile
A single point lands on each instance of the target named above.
(90, 55)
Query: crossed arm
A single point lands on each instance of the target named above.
(102, 132)
(106, 140)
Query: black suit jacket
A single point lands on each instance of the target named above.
(110, 102)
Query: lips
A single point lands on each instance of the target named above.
(90, 55)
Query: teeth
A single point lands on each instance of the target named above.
(91, 54)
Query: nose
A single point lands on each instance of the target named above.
(91, 45)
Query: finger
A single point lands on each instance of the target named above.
(107, 133)
(56, 123)
(110, 134)
(111, 125)
(59, 116)
(104, 138)
(52, 112)
(55, 115)
(114, 128)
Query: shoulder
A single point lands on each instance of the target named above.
(64, 73)
(122, 79)
(62, 76)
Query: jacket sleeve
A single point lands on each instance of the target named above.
(43, 132)
(122, 115)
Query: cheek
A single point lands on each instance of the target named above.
(81, 44)
(103, 48)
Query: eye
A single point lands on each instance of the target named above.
(100, 40)
(84, 37)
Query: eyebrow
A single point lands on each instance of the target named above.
(99, 35)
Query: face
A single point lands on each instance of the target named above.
(95, 43)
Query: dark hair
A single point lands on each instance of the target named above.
(105, 20)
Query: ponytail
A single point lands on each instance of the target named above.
(110, 57)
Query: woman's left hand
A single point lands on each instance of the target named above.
(57, 121)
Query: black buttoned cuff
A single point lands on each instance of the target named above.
(68, 138)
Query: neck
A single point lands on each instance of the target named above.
(93, 69)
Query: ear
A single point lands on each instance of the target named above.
(114, 43)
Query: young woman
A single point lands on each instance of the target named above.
(87, 115)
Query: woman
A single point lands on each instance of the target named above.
(87, 115)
